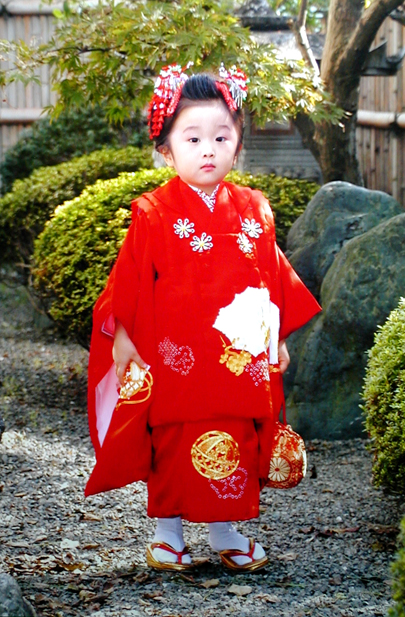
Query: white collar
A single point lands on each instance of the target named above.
(209, 200)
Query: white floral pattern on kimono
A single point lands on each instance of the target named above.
(251, 228)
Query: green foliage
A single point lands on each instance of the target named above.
(288, 198)
(79, 245)
(290, 8)
(25, 210)
(108, 52)
(384, 396)
(73, 133)
(398, 572)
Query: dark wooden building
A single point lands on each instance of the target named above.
(276, 148)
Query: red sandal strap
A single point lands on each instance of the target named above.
(238, 553)
(170, 549)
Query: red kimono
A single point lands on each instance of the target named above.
(205, 297)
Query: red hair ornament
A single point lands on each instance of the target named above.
(166, 96)
(169, 86)
(236, 82)
(223, 88)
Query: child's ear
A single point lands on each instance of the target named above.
(238, 150)
(167, 155)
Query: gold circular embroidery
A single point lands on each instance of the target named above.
(215, 455)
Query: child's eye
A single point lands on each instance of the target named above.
(194, 140)
(221, 139)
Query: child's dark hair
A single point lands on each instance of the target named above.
(198, 88)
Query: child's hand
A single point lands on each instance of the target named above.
(124, 352)
(283, 356)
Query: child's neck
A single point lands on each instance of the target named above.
(208, 198)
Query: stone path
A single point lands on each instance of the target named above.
(330, 540)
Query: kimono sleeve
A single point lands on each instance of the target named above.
(131, 276)
(298, 304)
(295, 302)
(134, 273)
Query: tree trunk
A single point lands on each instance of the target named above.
(351, 31)
(337, 143)
(338, 153)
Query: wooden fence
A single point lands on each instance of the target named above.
(20, 105)
(381, 149)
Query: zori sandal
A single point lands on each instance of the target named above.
(250, 566)
(178, 565)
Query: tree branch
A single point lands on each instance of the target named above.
(306, 128)
(365, 32)
(301, 37)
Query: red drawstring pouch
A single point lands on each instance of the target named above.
(288, 462)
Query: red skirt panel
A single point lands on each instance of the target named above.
(177, 487)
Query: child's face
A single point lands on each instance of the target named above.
(202, 145)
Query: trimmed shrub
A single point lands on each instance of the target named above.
(398, 573)
(25, 210)
(79, 245)
(74, 133)
(384, 396)
(288, 198)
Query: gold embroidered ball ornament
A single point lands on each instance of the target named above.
(215, 455)
(288, 464)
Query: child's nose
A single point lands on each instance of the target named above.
(208, 150)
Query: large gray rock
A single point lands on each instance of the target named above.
(337, 213)
(12, 603)
(362, 286)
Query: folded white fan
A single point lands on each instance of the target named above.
(251, 322)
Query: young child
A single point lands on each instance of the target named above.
(198, 304)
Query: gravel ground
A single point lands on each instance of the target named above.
(330, 540)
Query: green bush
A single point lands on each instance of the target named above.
(398, 572)
(79, 245)
(288, 198)
(384, 396)
(25, 210)
(74, 133)
(75, 252)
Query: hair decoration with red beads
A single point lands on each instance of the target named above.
(169, 86)
(166, 96)
(237, 81)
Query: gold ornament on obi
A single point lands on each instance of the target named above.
(215, 455)
(235, 360)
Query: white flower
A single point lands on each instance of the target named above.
(279, 469)
(251, 228)
(244, 244)
(201, 244)
(183, 228)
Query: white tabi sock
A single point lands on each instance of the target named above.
(170, 531)
(223, 536)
